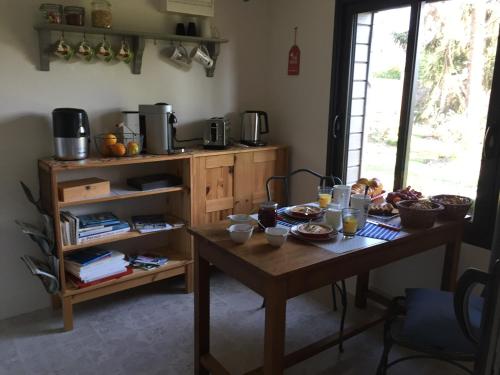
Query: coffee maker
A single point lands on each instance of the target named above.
(156, 124)
(71, 133)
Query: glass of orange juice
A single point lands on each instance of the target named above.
(350, 221)
(324, 196)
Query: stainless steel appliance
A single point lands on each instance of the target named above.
(253, 125)
(217, 133)
(71, 133)
(156, 124)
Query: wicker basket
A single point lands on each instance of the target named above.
(452, 211)
(416, 217)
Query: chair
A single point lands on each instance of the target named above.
(285, 202)
(441, 325)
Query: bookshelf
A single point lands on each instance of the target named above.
(174, 202)
(216, 183)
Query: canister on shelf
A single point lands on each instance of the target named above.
(101, 14)
(52, 12)
(74, 15)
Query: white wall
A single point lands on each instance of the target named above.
(299, 110)
(27, 97)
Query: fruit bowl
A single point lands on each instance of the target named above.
(118, 145)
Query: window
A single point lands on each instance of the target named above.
(412, 99)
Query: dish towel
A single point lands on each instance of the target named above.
(380, 233)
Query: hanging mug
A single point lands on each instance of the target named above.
(202, 56)
(63, 50)
(104, 52)
(84, 50)
(125, 54)
(179, 55)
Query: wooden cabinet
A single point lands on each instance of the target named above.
(235, 181)
(213, 190)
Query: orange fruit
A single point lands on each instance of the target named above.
(119, 149)
(133, 148)
(110, 139)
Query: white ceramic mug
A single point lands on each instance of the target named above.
(202, 56)
(361, 202)
(179, 55)
(341, 195)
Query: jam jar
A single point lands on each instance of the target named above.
(268, 214)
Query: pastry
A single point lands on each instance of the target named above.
(383, 209)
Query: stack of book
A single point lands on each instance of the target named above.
(153, 223)
(77, 229)
(147, 262)
(91, 266)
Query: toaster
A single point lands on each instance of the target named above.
(217, 133)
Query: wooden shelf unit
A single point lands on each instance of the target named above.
(179, 247)
(113, 238)
(215, 184)
(121, 195)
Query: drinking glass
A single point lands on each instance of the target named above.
(350, 221)
(324, 196)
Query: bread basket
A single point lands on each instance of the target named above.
(416, 217)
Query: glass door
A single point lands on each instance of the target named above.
(415, 96)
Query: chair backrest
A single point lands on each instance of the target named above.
(490, 324)
(323, 180)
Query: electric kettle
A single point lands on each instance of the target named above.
(253, 125)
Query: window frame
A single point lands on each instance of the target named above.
(479, 230)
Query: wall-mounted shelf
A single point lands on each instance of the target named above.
(137, 39)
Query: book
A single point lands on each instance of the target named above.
(100, 218)
(104, 229)
(152, 223)
(88, 256)
(80, 284)
(147, 262)
(105, 234)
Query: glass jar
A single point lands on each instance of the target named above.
(74, 15)
(268, 214)
(101, 14)
(52, 12)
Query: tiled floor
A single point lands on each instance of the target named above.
(149, 330)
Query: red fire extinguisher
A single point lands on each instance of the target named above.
(294, 58)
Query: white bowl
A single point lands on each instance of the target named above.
(241, 219)
(276, 236)
(240, 233)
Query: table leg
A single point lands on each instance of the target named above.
(201, 309)
(362, 284)
(450, 265)
(275, 326)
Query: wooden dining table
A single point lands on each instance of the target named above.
(279, 274)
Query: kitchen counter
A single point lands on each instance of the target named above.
(97, 162)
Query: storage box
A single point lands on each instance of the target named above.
(76, 190)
